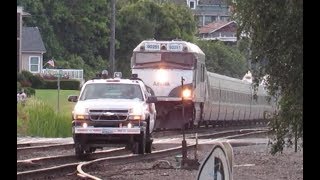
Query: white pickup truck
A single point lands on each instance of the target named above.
(113, 111)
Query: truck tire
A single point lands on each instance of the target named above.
(79, 151)
(139, 146)
(149, 139)
(149, 146)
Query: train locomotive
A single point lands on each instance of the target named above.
(172, 70)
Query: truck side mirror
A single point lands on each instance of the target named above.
(152, 99)
(72, 98)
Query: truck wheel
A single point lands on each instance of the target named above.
(79, 150)
(149, 140)
(149, 146)
(139, 146)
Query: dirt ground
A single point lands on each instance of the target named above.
(252, 162)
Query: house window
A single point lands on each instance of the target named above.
(192, 4)
(224, 18)
(213, 18)
(34, 64)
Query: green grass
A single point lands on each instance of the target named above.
(39, 115)
(38, 118)
(51, 97)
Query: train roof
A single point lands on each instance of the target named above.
(234, 84)
(191, 47)
(223, 77)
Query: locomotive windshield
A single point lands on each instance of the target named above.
(147, 58)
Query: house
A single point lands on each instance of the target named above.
(20, 15)
(220, 30)
(30, 47)
(207, 11)
(32, 50)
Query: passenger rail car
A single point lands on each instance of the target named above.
(209, 98)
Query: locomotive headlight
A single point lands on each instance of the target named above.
(186, 93)
(162, 76)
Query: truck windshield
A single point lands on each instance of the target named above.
(111, 91)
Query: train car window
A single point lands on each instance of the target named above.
(223, 96)
(233, 97)
(178, 58)
(227, 96)
(202, 73)
(244, 98)
(147, 57)
(216, 94)
(182, 59)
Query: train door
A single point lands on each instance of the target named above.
(201, 82)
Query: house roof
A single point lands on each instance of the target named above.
(31, 40)
(214, 26)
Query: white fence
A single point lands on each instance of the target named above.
(70, 73)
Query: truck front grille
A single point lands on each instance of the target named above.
(108, 115)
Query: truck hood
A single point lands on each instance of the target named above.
(108, 104)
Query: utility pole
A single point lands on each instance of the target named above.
(112, 37)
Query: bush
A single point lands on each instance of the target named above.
(37, 81)
(29, 91)
(64, 84)
(20, 77)
(25, 83)
(18, 86)
(27, 75)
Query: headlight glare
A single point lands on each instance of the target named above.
(162, 76)
(186, 93)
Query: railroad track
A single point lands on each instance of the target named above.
(62, 165)
(30, 149)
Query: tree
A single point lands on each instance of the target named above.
(71, 27)
(276, 32)
(223, 59)
(146, 19)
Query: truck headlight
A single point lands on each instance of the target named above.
(135, 110)
(80, 113)
(136, 113)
